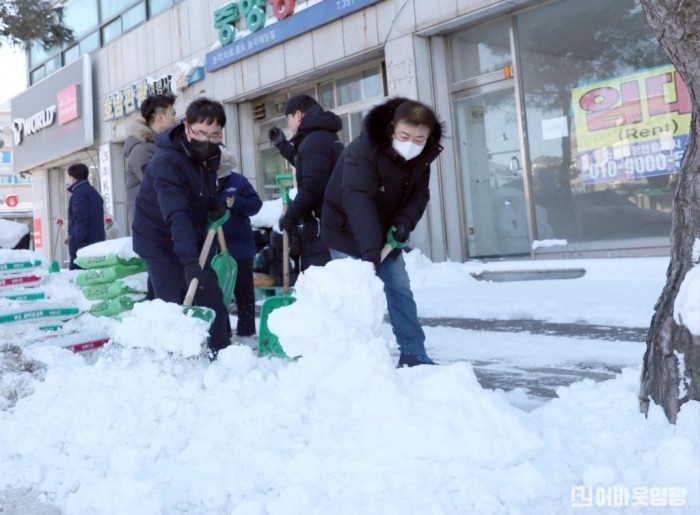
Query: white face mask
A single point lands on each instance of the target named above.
(407, 149)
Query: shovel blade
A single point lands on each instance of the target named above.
(226, 270)
(268, 342)
(206, 314)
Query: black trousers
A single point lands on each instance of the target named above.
(244, 293)
(167, 276)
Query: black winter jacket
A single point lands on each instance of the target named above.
(313, 152)
(373, 187)
(174, 200)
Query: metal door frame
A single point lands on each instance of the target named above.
(487, 83)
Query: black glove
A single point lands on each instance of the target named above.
(276, 136)
(373, 256)
(287, 224)
(401, 232)
(192, 271)
(216, 210)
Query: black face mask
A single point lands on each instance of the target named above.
(203, 150)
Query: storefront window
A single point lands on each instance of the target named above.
(349, 96)
(81, 16)
(607, 121)
(110, 8)
(90, 43)
(134, 17)
(326, 95)
(71, 54)
(37, 54)
(359, 86)
(53, 64)
(37, 75)
(272, 164)
(480, 50)
(111, 31)
(158, 6)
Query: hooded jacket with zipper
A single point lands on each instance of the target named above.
(174, 199)
(85, 216)
(139, 148)
(313, 151)
(373, 187)
(238, 231)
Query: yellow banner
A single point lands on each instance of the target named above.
(648, 106)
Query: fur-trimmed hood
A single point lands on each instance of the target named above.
(139, 132)
(378, 124)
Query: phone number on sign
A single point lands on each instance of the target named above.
(632, 168)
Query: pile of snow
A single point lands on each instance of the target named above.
(339, 430)
(163, 327)
(121, 247)
(11, 232)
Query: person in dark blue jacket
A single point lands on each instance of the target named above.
(313, 151)
(170, 216)
(85, 213)
(380, 183)
(239, 196)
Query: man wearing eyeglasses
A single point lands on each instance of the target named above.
(170, 217)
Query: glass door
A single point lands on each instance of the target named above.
(491, 168)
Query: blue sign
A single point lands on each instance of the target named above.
(288, 28)
(14, 179)
(6, 157)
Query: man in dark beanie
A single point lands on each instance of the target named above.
(313, 151)
(85, 213)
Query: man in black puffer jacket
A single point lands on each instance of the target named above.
(313, 151)
(170, 217)
(380, 183)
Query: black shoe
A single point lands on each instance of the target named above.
(407, 360)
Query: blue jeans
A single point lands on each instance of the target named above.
(403, 313)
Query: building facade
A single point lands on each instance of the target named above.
(564, 122)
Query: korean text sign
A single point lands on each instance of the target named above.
(631, 127)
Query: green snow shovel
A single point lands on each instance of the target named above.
(223, 263)
(201, 312)
(268, 342)
(391, 244)
(54, 266)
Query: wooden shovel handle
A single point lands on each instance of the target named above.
(222, 239)
(189, 297)
(285, 261)
(386, 250)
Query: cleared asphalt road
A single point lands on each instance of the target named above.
(541, 382)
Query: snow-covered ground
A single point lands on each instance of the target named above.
(147, 426)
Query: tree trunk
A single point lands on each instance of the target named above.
(671, 368)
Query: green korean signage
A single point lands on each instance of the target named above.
(253, 11)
